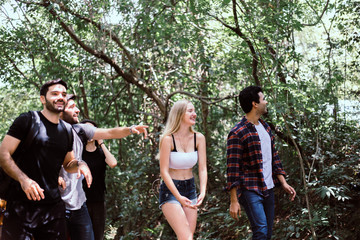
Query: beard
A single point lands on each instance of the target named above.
(52, 108)
(69, 118)
(265, 112)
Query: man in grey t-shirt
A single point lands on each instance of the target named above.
(78, 220)
(72, 193)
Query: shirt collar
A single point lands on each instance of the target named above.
(246, 122)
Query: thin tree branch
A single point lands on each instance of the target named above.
(99, 26)
(319, 17)
(235, 14)
(255, 60)
(113, 100)
(101, 55)
(13, 63)
(273, 55)
(203, 99)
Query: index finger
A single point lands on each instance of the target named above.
(145, 133)
(142, 128)
(88, 179)
(40, 191)
(234, 215)
(293, 196)
(78, 173)
(198, 204)
(35, 193)
(189, 205)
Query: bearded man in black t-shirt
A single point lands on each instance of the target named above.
(35, 209)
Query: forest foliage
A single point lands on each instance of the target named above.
(129, 60)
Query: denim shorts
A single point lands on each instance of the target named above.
(186, 188)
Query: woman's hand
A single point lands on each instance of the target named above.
(185, 202)
(200, 199)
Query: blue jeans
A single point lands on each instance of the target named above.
(186, 188)
(260, 212)
(78, 224)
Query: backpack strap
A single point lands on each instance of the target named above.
(68, 129)
(81, 133)
(34, 129)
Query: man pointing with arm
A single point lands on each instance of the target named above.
(78, 220)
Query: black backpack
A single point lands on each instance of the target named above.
(5, 180)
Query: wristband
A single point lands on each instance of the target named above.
(101, 143)
(131, 127)
(82, 162)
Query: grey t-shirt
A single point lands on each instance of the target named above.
(266, 155)
(74, 195)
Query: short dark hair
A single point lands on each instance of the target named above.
(70, 97)
(45, 88)
(89, 121)
(247, 96)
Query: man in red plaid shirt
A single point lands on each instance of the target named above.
(253, 165)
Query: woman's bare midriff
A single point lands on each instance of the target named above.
(180, 174)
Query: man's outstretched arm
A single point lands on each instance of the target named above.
(119, 132)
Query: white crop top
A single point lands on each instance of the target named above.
(183, 160)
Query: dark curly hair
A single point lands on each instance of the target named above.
(247, 96)
(45, 88)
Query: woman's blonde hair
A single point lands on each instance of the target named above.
(176, 115)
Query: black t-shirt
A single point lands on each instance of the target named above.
(50, 147)
(96, 162)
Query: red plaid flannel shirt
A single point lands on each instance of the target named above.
(244, 158)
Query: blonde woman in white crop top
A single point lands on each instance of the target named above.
(180, 149)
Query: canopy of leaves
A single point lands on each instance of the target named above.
(128, 61)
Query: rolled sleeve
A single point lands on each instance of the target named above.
(89, 130)
(277, 166)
